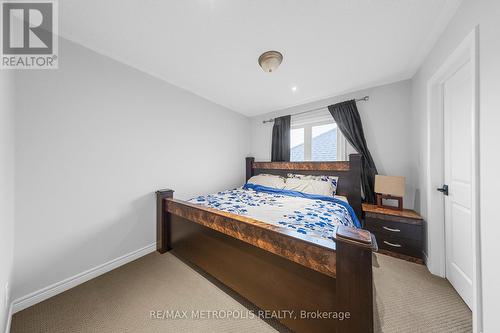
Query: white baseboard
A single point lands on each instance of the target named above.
(9, 319)
(58, 287)
(426, 259)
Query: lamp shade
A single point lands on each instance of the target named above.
(391, 185)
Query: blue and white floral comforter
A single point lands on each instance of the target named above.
(313, 215)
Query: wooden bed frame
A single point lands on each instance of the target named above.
(274, 268)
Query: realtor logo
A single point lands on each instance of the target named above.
(29, 34)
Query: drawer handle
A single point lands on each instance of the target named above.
(390, 229)
(392, 244)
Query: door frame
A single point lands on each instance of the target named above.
(436, 254)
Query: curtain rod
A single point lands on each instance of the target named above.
(364, 99)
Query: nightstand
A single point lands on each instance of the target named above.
(399, 233)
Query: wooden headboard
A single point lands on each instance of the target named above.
(349, 173)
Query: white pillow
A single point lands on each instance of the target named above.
(268, 180)
(310, 186)
(331, 179)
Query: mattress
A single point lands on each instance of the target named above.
(312, 215)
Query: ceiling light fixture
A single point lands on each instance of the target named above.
(294, 88)
(270, 61)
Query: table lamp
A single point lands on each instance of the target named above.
(390, 188)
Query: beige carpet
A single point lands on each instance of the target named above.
(409, 299)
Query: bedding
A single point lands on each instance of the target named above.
(342, 198)
(310, 186)
(268, 180)
(312, 215)
(333, 180)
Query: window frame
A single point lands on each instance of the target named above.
(341, 141)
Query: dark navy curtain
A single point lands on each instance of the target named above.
(348, 121)
(280, 148)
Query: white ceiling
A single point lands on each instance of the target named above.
(210, 47)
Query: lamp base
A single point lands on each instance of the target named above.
(381, 197)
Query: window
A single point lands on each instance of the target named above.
(314, 137)
(297, 144)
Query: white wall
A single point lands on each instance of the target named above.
(386, 121)
(6, 191)
(95, 139)
(486, 14)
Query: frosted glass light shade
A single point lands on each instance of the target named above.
(270, 61)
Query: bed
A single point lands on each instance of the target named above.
(313, 281)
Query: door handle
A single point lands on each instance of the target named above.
(443, 189)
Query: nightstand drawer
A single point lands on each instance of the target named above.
(409, 247)
(395, 229)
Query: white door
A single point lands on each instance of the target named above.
(458, 150)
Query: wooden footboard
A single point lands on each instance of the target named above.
(317, 281)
